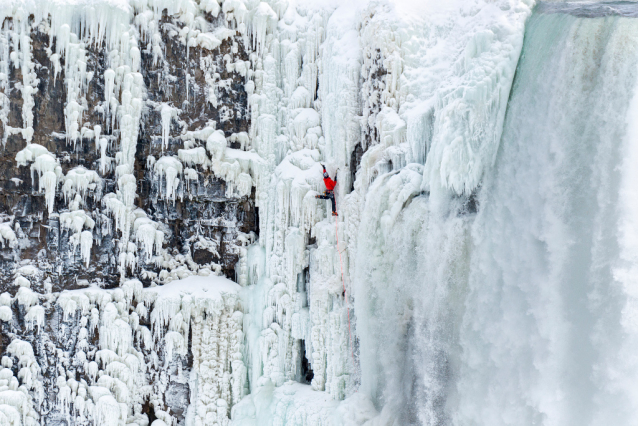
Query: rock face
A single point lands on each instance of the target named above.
(165, 259)
(78, 242)
(201, 210)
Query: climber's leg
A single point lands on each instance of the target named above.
(334, 203)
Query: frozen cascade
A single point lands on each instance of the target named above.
(481, 268)
(349, 335)
(469, 286)
(546, 335)
(520, 314)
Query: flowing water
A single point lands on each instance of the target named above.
(530, 317)
(545, 326)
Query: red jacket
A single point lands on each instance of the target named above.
(330, 184)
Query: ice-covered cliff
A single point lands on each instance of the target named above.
(164, 260)
(107, 187)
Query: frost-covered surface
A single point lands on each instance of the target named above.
(106, 354)
(238, 102)
(464, 222)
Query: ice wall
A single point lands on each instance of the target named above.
(119, 350)
(404, 101)
(479, 271)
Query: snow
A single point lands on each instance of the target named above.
(206, 307)
(211, 288)
(421, 87)
(47, 167)
(294, 403)
(168, 168)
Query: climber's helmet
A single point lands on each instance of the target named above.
(326, 175)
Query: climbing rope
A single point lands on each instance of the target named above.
(345, 298)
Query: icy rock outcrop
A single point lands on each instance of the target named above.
(115, 351)
(90, 95)
(82, 143)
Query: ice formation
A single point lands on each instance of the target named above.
(117, 370)
(477, 202)
(168, 168)
(301, 300)
(78, 181)
(356, 87)
(76, 221)
(47, 167)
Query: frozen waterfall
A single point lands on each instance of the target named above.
(548, 334)
(482, 269)
(523, 313)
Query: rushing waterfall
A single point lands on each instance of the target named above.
(548, 334)
(166, 258)
(523, 313)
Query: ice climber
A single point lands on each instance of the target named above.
(329, 193)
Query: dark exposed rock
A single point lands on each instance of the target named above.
(205, 211)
